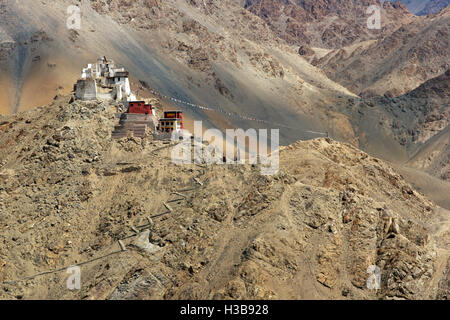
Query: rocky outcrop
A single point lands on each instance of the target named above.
(69, 192)
(305, 51)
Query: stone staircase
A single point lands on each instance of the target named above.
(136, 124)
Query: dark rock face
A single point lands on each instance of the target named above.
(305, 51)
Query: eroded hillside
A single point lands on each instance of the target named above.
(396, 63)
(222, 54)
(327, 24)
(69, 192)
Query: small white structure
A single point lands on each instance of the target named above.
(103, 81)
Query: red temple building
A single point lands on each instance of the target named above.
(140, 107)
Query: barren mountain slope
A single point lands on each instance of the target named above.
(214, 53)
(396, 63)
(218, 55)
(416, 121)
(68, 193)
(327, 23)
(420, 114)
(434, 156)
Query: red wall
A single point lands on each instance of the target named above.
(140, 107)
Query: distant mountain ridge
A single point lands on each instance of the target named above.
(424, 7)
(218, 53)
(395, 64)
(327, 23)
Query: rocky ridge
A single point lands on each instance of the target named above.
(69, 192)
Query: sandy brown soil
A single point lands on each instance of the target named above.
(69, 192)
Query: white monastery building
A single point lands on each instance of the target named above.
(104, 81)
